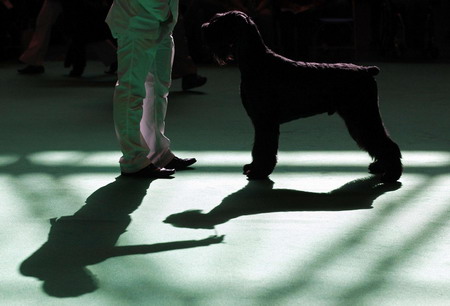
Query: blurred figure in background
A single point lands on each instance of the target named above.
(297, 20)
(183, 64)
(35, 53)
(6, 37)
(85, 26)
(17, 21)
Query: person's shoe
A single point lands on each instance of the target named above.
(180, 163)
(32, 69)
(192, 81)
(76, 72)
(151, 172)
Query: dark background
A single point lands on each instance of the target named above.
(425, 28)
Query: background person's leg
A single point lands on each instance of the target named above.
(35, 53)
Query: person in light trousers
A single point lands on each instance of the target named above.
(145, 54)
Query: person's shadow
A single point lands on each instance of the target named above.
(89, 237)
(259, 197)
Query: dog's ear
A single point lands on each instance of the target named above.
(231, 22)
(222, 33)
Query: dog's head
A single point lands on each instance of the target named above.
(222, 32)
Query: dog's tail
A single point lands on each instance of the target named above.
(373, 70)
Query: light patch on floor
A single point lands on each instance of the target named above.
(227, 158)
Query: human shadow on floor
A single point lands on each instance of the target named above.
(258, 197)
(89, 237)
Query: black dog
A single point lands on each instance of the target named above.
(275, 90)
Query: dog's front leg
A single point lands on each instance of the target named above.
(265, 149)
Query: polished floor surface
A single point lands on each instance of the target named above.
(322, 231)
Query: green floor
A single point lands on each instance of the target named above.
(321, 232)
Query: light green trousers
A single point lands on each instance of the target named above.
(140, 100)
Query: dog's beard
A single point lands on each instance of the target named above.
(223, 60)
(222, 53)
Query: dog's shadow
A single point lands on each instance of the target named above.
(89, 237)
(258, 197)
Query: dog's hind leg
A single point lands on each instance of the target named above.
(265, 148)
(366, 127)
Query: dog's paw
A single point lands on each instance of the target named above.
(391, 176)
(255, 173)
(376, 167)
(246, 168)
(390, 171)
(256, 176)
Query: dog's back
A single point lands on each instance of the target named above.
(344, 69)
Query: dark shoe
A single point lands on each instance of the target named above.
(76, 72)
(192, 81)
(31, 69)
(179, 163)
(151, 172)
